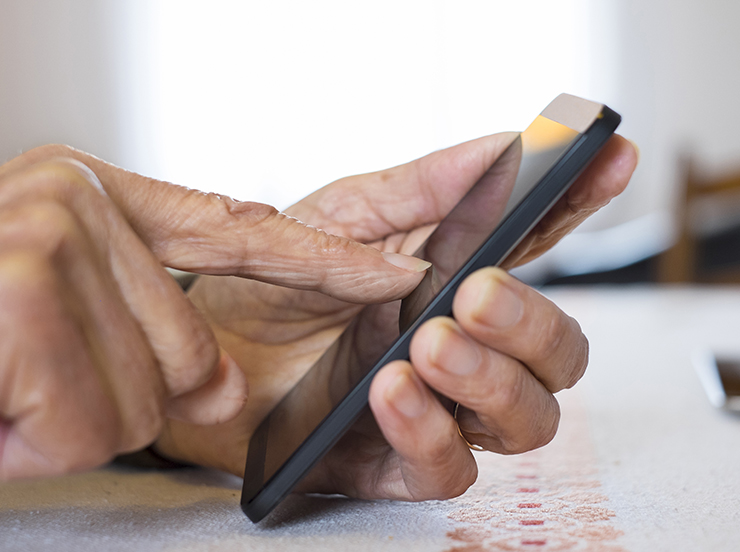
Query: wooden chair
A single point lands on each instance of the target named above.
(684, 261)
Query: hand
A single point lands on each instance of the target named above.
(505, 353)
(99, 344)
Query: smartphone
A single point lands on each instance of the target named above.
(481, 230)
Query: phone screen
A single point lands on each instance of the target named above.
(365, 343)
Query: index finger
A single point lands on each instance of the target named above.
(212, 234)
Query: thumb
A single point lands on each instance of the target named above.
(211, 234)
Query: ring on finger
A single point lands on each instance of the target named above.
(471, 446)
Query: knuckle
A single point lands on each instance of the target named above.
(25, 281)
(331, 244)
(260, 220)
(49, 151)
(51, 228)
(40, 237)
(225, 210)
(257, 225)
(254, 212)
(17, 271)
(509, 389)
(67, 177)
(59, 176)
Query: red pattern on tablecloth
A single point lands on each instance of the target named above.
(545, 500)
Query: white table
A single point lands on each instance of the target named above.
(642, 462)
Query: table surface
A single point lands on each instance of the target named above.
(642, 461)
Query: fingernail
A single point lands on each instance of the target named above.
(406, 262)
(499, 307)
(455, 353)
(405, 396)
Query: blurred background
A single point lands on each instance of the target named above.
(268, 101)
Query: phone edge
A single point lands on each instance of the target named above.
(340, 419)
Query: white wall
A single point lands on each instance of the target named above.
(268, 101)
(66, 76)
(676, 81)
(679, 88)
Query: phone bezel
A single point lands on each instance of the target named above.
(569, 111)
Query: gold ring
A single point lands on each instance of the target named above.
(471, 446)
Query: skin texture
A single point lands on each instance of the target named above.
(99, 342)
(503, 356)
(103, 354)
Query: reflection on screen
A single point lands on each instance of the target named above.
(374, 330)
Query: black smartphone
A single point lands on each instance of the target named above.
(481, 230)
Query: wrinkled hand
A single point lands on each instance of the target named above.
(99, 344)
(502, 357)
